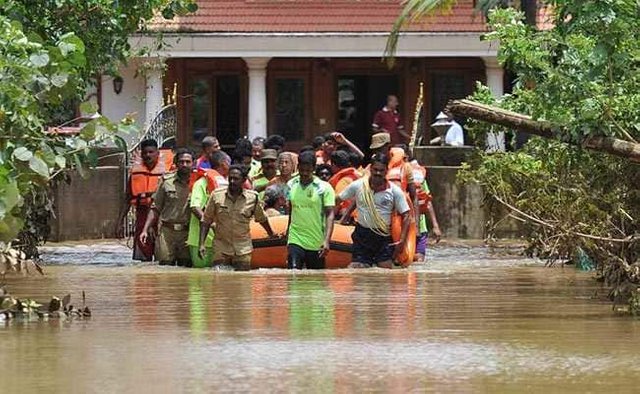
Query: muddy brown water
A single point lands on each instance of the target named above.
(469, 321)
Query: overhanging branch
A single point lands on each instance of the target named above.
(523, 123)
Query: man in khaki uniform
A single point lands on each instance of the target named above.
(230, 211)
(171, 206)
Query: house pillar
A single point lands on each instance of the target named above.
(153, 91)
(257, 71)
(495, 82)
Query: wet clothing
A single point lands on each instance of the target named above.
(421, 243)
(198, 262)
(370, 248)
(142, 252)
(171, 246)
(386, 201)
(199, 198)
(231, 217)
(388, 121)
(298, 258)
(171, 201)
(308, 203)
(238, 262)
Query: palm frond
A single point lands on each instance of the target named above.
(412, 11)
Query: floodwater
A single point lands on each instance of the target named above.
(468, 321)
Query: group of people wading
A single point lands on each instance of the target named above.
(197, 211)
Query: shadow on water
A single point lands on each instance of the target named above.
(469, 320)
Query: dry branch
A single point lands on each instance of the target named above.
(523, 123)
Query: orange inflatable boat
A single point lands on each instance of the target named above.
(272, 253)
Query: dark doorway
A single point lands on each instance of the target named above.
(359, 97)
(213, 109)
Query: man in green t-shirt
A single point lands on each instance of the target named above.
(311, 202)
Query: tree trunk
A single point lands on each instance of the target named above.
(523, 123)
(530, 9)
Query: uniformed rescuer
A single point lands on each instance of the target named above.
(171, 206)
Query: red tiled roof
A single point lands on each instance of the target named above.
(273, 16)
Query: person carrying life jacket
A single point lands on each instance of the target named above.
(145, 174)
(208, 180)
(343, 175)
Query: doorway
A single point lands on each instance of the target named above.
(214, 108)
(359, 97)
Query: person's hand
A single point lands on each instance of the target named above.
(119, 229)
(437, 234)
(276, 235)
(339, 137)
(144, 237)
(397, 249)
(324, 250)
(202, 251)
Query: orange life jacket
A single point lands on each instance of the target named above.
(214, 179)
(144, 181)
(396, 168)
(349, 173)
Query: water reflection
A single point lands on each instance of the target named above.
(451, 327)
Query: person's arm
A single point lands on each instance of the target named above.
(329, 203)
(260, 188)
(346, 216)
(124, 210)
(411, 189)
(208, 218)
(434, 222)
(290, 210)
(151, 219)
(197, 198)
(341, 139)
(347, 194)
(261, 217)
(154, 213)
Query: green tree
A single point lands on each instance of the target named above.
(581, 78)
(50, 51)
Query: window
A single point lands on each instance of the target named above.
(290, 108)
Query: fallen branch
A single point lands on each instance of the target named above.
(629, 239)
(523, 123)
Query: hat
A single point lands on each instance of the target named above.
(269, 154)
(379, 140)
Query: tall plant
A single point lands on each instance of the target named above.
(50, 51)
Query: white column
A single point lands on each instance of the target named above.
(257, 70)
(495, 82)
(153, 97)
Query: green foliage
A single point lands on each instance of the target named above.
(583, 76)
(102, 27)
(50, 51)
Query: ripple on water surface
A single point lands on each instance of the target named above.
(470, 320)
